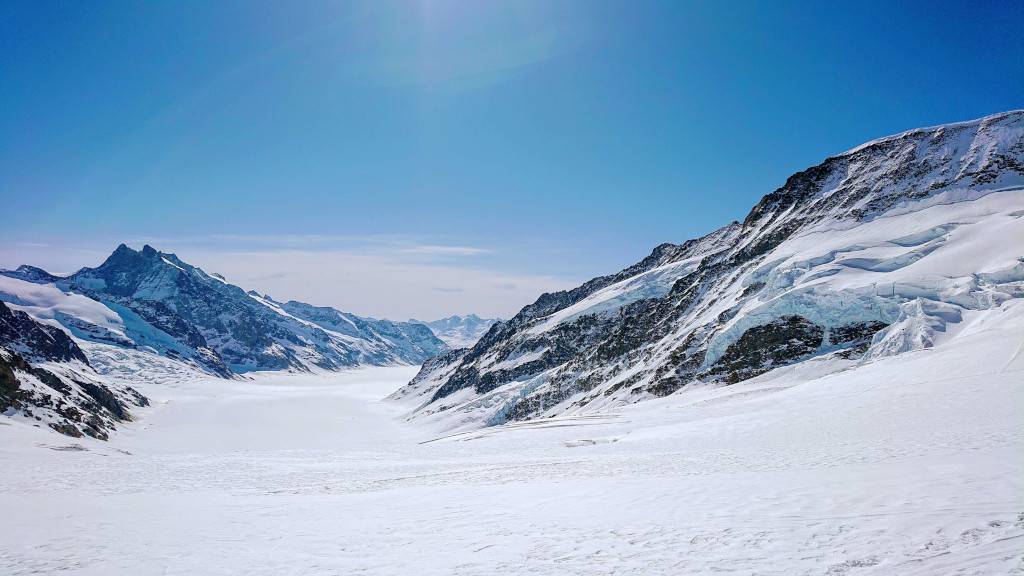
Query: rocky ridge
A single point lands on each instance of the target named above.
(852, 259)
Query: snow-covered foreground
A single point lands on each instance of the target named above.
(909, 465)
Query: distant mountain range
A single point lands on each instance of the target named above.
(872, 253)
(460, 331)
(153, 300)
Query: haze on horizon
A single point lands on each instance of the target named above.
(427, 158)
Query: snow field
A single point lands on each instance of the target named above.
(907, 465)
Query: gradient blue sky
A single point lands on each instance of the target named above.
(474, 153)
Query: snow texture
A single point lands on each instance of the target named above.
(906, 465)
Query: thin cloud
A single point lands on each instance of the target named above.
(373, 243)
(273, 276)
(380, 284)
(436, 250)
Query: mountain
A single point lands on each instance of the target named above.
(880, 250)
(154, 301)
(46, 377)
(460, 331)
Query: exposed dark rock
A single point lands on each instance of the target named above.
(856, 337)
(51, 380)
(764, 347)
(753, 288)
(34, 340)
(10, 389)
(67, 428)
(106, 399)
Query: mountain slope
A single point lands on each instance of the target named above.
(871, 253)
(45, 377)
(459, 331)
(153, 300)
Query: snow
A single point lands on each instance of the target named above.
(168, 262)
(47, 302)
(906, 465)
(651, 284)
(869, 272)
(517, 359)
(949, 126)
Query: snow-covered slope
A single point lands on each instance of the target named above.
(460, 331)
(46, 379)
(907, 466)
(150, 300)
(875, 252)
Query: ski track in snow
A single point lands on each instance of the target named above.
(908, 465)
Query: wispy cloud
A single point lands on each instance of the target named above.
(380, 284)
(436, 250)
(271, 276)
(367, 244)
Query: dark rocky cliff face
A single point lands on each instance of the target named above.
(706, 309)
(45, 376)
(36, 341)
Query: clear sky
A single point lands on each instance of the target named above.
(424, 158)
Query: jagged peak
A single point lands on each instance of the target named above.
(125, 255)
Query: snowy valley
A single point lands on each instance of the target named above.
(834, 385)
(909, 465)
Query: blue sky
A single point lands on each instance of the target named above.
(476, 153)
